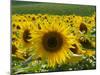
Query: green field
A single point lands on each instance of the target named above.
(22, 7)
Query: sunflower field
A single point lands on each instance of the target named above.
(52, 42)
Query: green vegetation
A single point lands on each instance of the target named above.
(21, 7)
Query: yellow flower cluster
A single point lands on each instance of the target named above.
(54, 38)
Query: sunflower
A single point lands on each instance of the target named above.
(25, 34)
(78, 26)
(16, 51)
(14, 48)
(89, 22)
(86, 42)
(52, 42)
(73, 22)
(77, 49)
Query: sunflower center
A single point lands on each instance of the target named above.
(52, 41)
(74, 50)
(83, 28)
(26, 36)
(14, 49)
(85, 42)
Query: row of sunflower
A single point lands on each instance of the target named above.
(52, 38)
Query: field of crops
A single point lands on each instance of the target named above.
(51, 8)
(51, 37)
